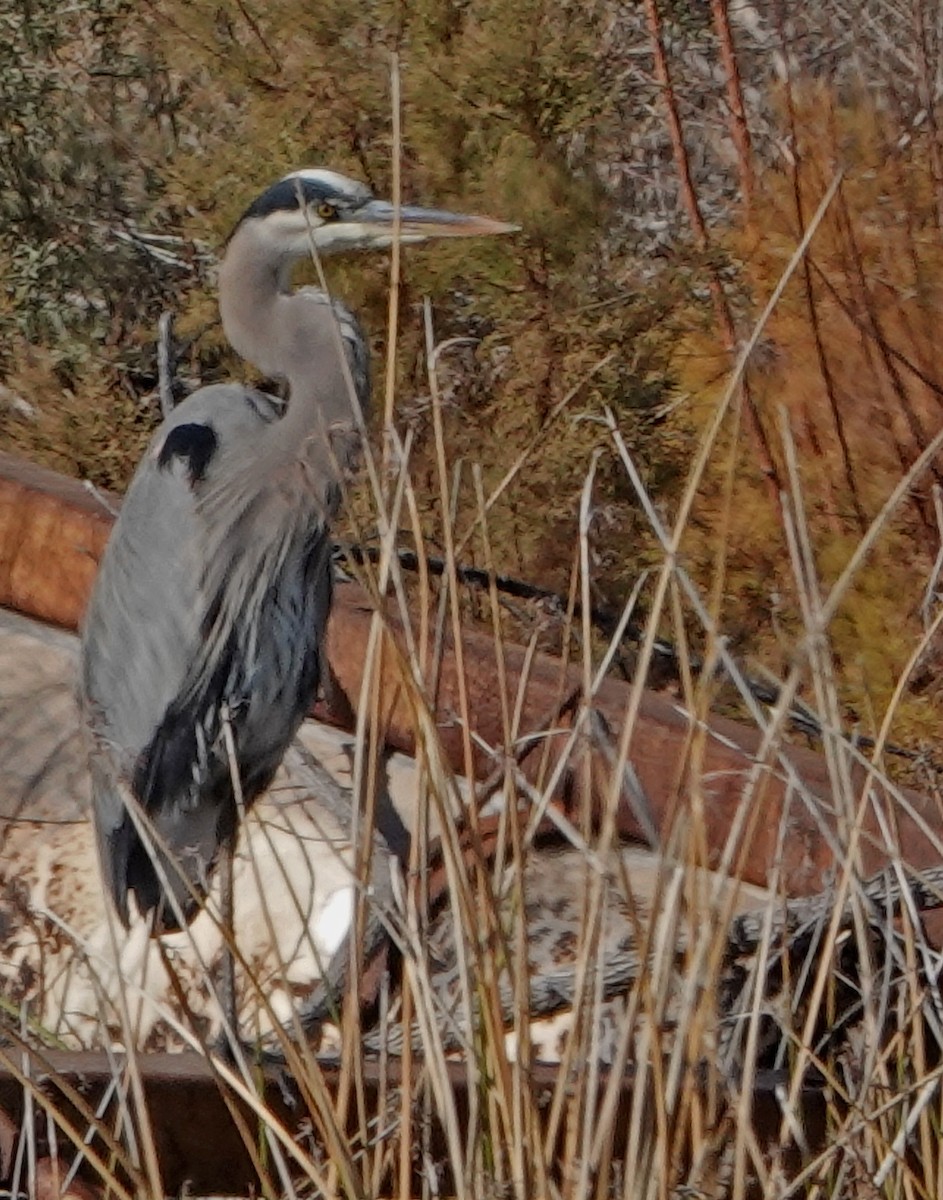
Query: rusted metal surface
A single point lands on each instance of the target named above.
(52, 530)
(52, 534)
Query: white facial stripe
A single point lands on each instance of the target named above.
(283, 225)
(330, 235)
(287, 231)
(288, 228)
(332, 180)
(319, 175)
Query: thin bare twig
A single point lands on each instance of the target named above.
(166, 363)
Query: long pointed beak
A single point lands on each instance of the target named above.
(378, 218)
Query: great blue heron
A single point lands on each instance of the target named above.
(206, 623)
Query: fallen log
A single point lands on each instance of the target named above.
(53, 530)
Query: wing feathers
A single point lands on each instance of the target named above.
(213, 595)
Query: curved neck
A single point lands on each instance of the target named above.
(286, 335)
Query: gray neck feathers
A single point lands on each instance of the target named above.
(275, 493)
(286, 335)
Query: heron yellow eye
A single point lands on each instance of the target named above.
(327, 211)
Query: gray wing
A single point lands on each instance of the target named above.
(212, 597)
(152, 691)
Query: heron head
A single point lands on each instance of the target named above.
(341, 214)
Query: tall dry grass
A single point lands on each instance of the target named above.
(810, 1065)
(801, 1060)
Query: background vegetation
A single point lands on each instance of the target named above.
(663, 161)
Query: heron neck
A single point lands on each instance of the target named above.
(286, 335)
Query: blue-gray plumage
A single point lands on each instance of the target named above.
(213, 594)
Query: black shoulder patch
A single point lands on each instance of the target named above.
(195, 443)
